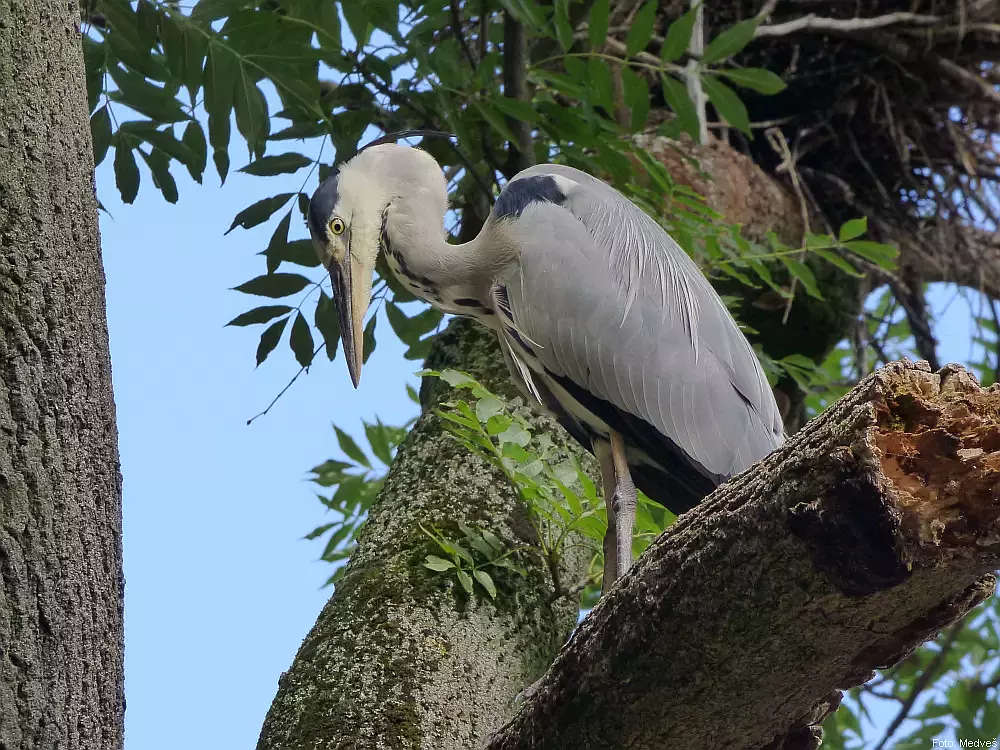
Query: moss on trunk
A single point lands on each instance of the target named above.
(401, 657)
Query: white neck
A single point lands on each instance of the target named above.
(446, 275)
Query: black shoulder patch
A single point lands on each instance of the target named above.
(521, 193)
(323, 201)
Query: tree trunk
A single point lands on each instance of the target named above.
(400, 657)
(61, 585)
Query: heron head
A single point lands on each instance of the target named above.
(345, 221)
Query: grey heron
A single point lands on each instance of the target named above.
(603, 319)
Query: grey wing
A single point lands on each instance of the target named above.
(613, 308)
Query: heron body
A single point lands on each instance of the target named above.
(602, 318)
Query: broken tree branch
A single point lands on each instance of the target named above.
(872, 529)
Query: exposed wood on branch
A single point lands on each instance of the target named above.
(874, 528)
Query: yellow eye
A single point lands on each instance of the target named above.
(337, 226)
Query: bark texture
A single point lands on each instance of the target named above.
(872, 529)
(61, 585)
(400, 657)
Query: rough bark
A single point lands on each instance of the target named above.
(400, 657)
(840, 553)
(61, 585)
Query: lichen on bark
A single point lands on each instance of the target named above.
(401, 657)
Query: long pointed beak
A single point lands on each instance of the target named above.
(352, 286)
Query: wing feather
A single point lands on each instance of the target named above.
(618, 309)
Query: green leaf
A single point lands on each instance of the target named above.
(379, 442)
(329, 26)
(488, 407)
(267, 166)
(95, 62)
(357, 20)
(278, 239)
(259, 315)
(498, 424)
(259, 212)
(730, 41)
(514, 435)
(454, 378)
(221, 69)
(161, 140)
(159, 165)
(252, 119)
(301, 341)
(100, 133)
(598, 25)
(831, 257)
(727, 103)
(184, 48)
(496, 121)
(493, 540)
(194, 140)
(527, 12)
(758, 79)
(212, 10)
(122, 19)
(636, 98)
(269, 339)
(564, 29)
(126, 171)
(369, 339)
(804, 274)
(600, 84)
(466, 581)
(853, 229)
(137, 92)
(148, 19)
(328, 324)
(487, 583)
(676, 95)
(641, 30)
(351, 448)
(319, 531)
(274, 285)
(876, 252)
(299, 252)
(437, 563)
(678, 37)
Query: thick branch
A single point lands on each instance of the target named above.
(871, 530)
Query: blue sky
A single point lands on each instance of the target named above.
(220, 586)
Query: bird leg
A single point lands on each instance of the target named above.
(603, 452)
(624, 503)
(620, 500)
